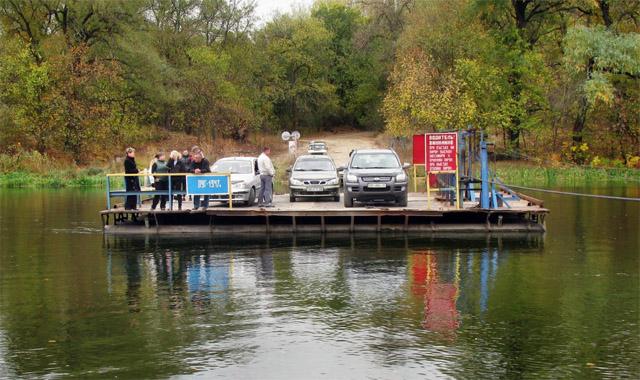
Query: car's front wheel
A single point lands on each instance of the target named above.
(348, 201)
(292, 198)
(252, 197)
(336, 197)
(402, 201)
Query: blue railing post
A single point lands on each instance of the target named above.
(484, 173)
(494, 199)
(108, 194)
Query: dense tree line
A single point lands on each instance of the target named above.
(543, 76)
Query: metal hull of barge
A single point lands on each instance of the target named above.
(527, 215)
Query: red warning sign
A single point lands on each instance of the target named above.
(441, 152)
(419, 146)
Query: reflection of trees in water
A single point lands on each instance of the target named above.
(315, 277)
(349, 284)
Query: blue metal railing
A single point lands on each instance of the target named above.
(170, 192)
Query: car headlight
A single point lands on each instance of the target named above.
(402, 177)
(352, 178)
(296, 182)
(240, 185)
(333, 181)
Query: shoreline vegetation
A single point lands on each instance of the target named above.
(80, 80)
(33, 170)
(515, 173)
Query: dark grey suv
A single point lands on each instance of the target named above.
(375, 175)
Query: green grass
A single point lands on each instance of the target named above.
(524, 174)
(534, 175)
(53, 179)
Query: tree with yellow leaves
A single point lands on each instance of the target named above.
(420, 98)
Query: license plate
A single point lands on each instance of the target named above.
(315, 189)
(376, 185)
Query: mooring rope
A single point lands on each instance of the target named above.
(575, 194)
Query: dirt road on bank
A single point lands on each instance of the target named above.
(339, 144)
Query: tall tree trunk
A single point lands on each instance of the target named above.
(515, 80)
(580, 121)
(514, 136)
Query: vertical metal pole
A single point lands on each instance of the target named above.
(494, 200)
(230, 191)
(473, 149)
(457, 183)
(426, 172)
(170, 193)
(139, 195)
(415, 179)
(428, 189)
(484, 174)
(108, 193)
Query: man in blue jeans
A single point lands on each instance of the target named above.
(198, 166)
(267, 171)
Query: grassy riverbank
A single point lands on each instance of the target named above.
(30, 169)
(513, 173)
(524, 174)
(81, 178)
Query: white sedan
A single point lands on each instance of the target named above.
(245, 178)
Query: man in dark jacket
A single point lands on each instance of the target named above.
(186, 164)
(186, 159)
(198, 166)
(162, 182)
(132, 183)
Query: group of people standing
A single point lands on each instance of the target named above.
(188, 162)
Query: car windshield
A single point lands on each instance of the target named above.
(314, 166)
(233, 167)
(375, 161)
(317, 146)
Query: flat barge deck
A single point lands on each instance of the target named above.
(524, 215)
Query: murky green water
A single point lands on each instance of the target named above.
(74, 304)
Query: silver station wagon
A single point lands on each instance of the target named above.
(314, 176)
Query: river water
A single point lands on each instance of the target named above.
(76, 304)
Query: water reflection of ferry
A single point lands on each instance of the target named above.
(448, 277)
(207, 278)
(439, 292)
(453, 282)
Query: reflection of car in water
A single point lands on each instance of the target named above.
(317, 147)
(245, 178)
(314, 176)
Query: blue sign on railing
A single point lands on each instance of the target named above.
(207, 184)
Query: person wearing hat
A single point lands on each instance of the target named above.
(198, 166)
(132, 183)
